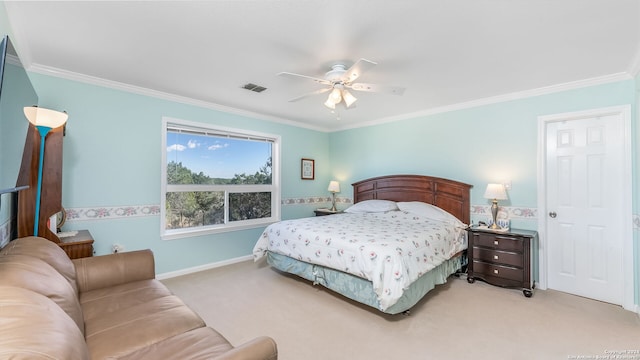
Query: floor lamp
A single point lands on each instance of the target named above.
(44, 120)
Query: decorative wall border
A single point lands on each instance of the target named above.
(115, 212)
(508, 212)
(122, 212)
(314, 200)
(119, 212)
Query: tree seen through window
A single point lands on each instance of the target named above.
(215, 180)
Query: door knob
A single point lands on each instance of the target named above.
(553, 214)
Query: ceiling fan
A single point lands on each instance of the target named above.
(340, 79)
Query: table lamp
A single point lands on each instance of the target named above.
(334, 187)
(495, 192)
(44, 120)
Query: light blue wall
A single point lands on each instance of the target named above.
(5, 199)
(112, 157)
(476, 146)
(119, 164)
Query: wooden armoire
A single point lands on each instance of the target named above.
(51, 193)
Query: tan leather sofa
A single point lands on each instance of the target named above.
(103, 307)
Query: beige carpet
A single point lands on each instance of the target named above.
(455, 321)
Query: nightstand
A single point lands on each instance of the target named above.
(77, 244)
(502, 258)
(324, 212)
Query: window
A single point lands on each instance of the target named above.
(217, 179)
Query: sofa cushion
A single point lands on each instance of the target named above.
(113, 299)
(46, 251)
(199, 344)
(133, 318)
(36, 275)
(34, 327)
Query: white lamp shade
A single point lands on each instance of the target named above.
(348, 98)
(495, 191)
(45, 117)
(335, 96)
(330, 104)
(334, 186)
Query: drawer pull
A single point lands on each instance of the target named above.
(495, 257)
(495, 271)
(495, 242)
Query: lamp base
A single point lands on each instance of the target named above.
(333, 202)
(494, 214)
(43, 130)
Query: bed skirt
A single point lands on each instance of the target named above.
(361, 290)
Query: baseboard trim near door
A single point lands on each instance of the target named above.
(199, 268)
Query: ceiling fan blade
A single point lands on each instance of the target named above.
(319, 91)
(394, 90)
(293, 75)
(357, 69)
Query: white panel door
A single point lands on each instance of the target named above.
(584, 178)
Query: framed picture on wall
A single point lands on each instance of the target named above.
(308, 169)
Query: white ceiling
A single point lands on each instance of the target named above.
(445, 53)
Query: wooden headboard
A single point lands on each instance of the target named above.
(450, 195)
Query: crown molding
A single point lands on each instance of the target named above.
(634, 67)
(497, 99)
(69, 75)
(51, 71)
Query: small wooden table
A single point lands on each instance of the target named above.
(502, 258)
(77, 245)
(324, 212)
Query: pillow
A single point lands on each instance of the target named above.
(430, 211)
(369, 206)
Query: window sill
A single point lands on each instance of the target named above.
(184, 233)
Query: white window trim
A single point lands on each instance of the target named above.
(275, 188)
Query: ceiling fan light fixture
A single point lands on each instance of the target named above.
(335, 96)
(349, 99)
(330, 104)
(339, 78)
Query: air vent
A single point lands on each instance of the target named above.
(254, 87)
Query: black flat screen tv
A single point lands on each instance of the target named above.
(16, 92)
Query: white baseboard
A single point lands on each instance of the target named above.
(195, 269)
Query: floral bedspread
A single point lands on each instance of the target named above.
(391, 249)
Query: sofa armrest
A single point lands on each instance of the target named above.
(260, 348)
(114, 269)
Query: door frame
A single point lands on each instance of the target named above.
(624, 111)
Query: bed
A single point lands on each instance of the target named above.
(388, 250)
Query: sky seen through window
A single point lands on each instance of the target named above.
(217, 157)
